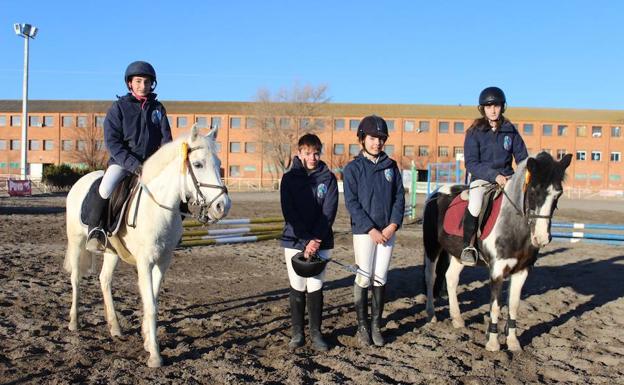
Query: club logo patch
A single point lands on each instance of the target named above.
(507, 143)
(156, 116)
(321, 190)
(389, 174)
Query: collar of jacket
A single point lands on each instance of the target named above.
(382, 162)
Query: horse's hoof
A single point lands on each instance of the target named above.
(492, 346)
(514, 345)
(432, 319)
(458, 323)
(154, 362)
(73, 326)
(115, 331)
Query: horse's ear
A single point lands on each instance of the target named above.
(531, 165)
(213, 133)
(565, 161)
(194, 132)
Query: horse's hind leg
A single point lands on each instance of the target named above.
(106, 277)
(452, 281)
(515, 288)
(144, 270)
(72, 264)
(496, 287)
(430, 277)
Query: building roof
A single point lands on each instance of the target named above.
(333, 109)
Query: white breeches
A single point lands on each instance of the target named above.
(475, 196)
(114, 173)
(373, 259)
(300, 283)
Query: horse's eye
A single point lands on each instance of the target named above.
(198, 164)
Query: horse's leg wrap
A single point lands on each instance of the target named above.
(511, 324)
(492, 328)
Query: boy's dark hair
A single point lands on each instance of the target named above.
(310, 140)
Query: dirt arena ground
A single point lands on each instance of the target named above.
(224, 315)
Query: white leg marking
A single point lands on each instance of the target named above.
(515, 289)
(452, 281)
(144, 270)
(106, 278)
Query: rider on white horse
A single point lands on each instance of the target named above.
(136, 125)
(488, 147)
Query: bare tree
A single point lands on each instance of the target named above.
(90, 149)
(281, 118)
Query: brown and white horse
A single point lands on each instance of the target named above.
(184, 170)
(520, 230)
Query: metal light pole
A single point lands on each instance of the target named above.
(28, 32)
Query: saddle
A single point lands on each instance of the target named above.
(117, 207)
(492, 201)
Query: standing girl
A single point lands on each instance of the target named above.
(374, 196)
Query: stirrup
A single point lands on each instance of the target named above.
(94, 235)
(469, 256)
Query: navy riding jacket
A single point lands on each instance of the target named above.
(488, 153)
(374, 193)
(134, 130)
(309, 204)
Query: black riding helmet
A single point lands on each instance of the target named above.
(307, 267)
(373, 125)
(493, 96)
(140, 68)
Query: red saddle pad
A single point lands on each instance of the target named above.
(455, 213)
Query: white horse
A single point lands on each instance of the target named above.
(184, 170)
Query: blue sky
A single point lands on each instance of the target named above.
(542, 53)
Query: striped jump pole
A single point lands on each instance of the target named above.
(232, 231)
(589, 237)
(588, 226)
(238, 221)
(241, 239)
(587, 240)
(579, 234)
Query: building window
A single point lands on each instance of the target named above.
(14, 165)
(443, 151)
(443, 127)
(581, 131)
(458, 127)
(99, 121)
(235, 122)
(353, 124)
(304, 123)
(218, 147)
(354, 149)
(249, 168)
(235, 171)
(560, 153)
(81, 145)
(339, 124)
(616, 131)
(34, 145)
(615, 156)
(16, 120)
(390, 124)
(81, 122)
(338, 149)
(48, 121)
(201, 121)
(423, 126)
(2, 121)
(48, 145)
(235, 147)
(389, 149)
(615, 177)
(408, 126)
(581, 155)
(181, 121)
(423, 151)
(408, 150)
(34, 121)
(459, 150)
(562, 130)
(596, 156)
(527, 128)
(3, 144)
(596, 131)
(215, 122)
(250, 147)
(284, 123)
(251, 123)
(547, 129)
(99, 145)
(67, 121)
(67, 145)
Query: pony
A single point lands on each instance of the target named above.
(509, 251)
(186, 169)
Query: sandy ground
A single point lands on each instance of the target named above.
(224, 315)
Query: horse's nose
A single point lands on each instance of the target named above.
(220, 207)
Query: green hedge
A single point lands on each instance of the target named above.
(62, 176)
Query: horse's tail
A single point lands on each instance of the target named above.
(434, 253)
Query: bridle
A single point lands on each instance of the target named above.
(526, 211)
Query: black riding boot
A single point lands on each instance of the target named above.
(315, 317)
(360, 296)
(469, 255)
(96, 240)
(376, 312)
(297, 309)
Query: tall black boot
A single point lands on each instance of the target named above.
(297, 309)
(96, 240)
(360, 298)
(376, 312)
(469, 255)
(315, 316)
